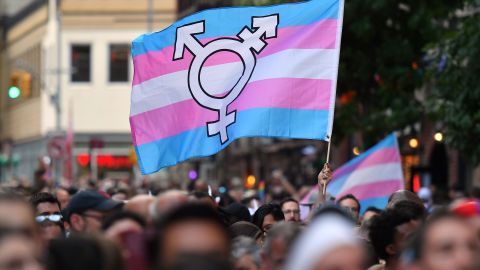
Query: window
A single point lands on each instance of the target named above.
(80, 63)
(119, 62)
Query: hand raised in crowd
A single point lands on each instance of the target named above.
(325, 175)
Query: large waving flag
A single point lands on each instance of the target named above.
(227, 73)
(371, 177)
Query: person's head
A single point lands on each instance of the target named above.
(87, 210)
(370, 212)
(389, 230)
(267, 215)
(246, 229)
(81, 252)
(236, 212)
(48, 215)
(277, 244)
(18, 251)
(167, 201)
(329, 242)
(191, 229)
(446, 242)
(245, 254)
(469, 209)
(403, 195)
(350, 203)
(63, 197)
(202, 197)
(141, 204)
(122, 222)
(291, 209)
(16, 212)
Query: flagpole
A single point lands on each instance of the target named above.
(328, 150)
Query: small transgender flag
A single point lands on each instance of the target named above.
(371, 177)
(227, 73)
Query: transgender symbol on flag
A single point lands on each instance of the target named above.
(249, 43)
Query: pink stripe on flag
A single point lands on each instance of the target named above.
(320, 35)
(308, 94)
(373, 190)
(384, 155)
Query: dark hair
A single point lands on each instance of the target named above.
(83, 252)
(290, 199)
(244, 228)
(11, 231)
(383, 227)
(200, 194)
(183, 214)
(201, 262)
(349, 196)
(43, 197)
(267, 209)
(373, 209)
(122, 215)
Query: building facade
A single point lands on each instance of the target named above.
(71, 61)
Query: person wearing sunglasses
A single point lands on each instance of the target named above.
(48, 216)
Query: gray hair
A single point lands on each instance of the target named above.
(286, 231)
(243, 246)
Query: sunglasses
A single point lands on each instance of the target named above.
(56, 218)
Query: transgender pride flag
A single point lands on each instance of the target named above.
(222, 74)
(371, 177)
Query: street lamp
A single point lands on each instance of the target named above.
(413, 142)
(438, 136)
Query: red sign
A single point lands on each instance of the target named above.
(106, 161)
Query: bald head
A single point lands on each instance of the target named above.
(168, 200)
(140, 204)
(403, 195)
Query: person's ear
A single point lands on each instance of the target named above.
(77, 223)
(391, 249)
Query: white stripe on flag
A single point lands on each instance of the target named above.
(373, 174)
(172, 88)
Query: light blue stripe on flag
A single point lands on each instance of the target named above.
(378, 202)
(260, 122)
(228, 21)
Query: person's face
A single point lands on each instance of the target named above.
(351, 206)
(450, 245)
(245, 263)
(291, 211)
(18, 253)
(402, 232)
(193, 237)
(63, 198)
(89, 221)
(342, 258)
(122, 227)
(18, 215)
(48, 229)
(268, 222)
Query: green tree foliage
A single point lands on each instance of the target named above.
(455, 71)
(382, 66)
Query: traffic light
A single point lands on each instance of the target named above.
(14, 90)
(20, 85)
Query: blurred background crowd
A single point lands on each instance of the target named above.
(98, 225)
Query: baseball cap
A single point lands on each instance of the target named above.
(90, 200)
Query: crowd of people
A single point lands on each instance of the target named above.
(93, 228)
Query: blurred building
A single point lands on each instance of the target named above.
(74, 54)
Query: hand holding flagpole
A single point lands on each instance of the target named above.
(325, 176)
